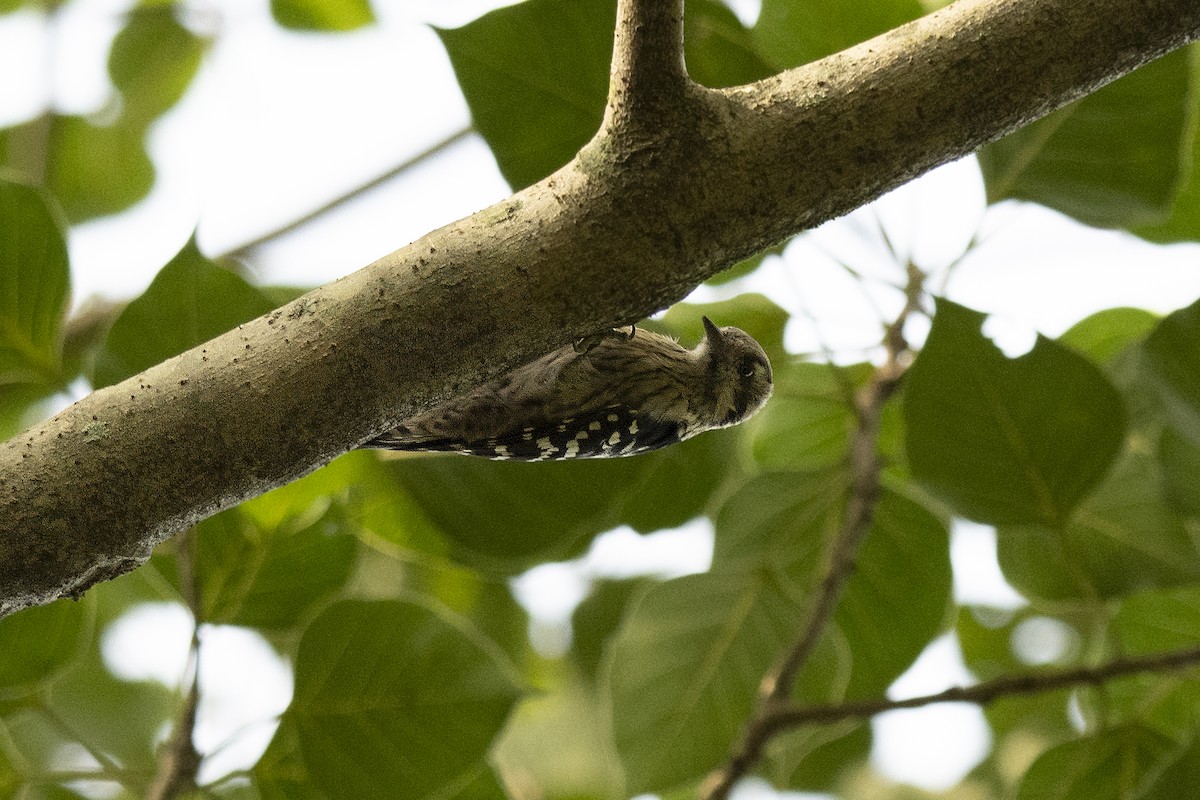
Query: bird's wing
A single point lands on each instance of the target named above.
(604, 433)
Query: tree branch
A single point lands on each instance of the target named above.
(648, 78)
(989, 691)
(631, 225)
(865, 466)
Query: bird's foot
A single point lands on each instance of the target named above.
(588, 343)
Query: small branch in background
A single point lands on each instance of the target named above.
(180, 762)
(91, 321)
(989, 691)
(247, 249)
(865, 466)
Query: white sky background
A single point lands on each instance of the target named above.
(277, 123)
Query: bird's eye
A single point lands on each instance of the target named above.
(746, 368)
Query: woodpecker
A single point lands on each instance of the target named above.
(616, 394)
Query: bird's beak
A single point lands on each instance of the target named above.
(712, 334)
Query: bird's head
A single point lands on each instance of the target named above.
(739, 372)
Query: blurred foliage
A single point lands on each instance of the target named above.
(322, 15)
(793, 32)
(98, 165)
(385, 580)
(34, 280)
(428, 735)
(1007, 441)
(1077, 161)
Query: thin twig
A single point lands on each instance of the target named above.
(865, 489)
(860, 506)
(180, 762)
(989, 691)
(247, 248)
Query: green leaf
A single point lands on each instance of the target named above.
(1007, 441)
(395, 700)
(34, 283)
(484, 785)
(190, 301)
(270, 578)
(810, 418)
(1107, 766)
(742, 268)
(689, 476)
(29, 747)
(485, 600)
(794, 32)
(687, 662)
(1155, 622)
(1184, 219)
(896, 601)
(1108, 333)
(322, 15)
(310, 496)
(559, 742)
(1112, 159)
(39, 642)
(818, 758)
(1122, 538)
(598, 617)
(84, 334)
(281, 774)
(1172, 362)
(1114, 339)
(518, 513)
(282, 295)
(522, 512)
(1179, 458)
(685, 670)
(719, 50)
(893, 605)
(986, 638)
(1151, 622)
(778, 522)
(1174, 777)
(535, 76)
(125, 718)
(95, 170)
(11, 781)
(152, 62)
(21, 404)
(372, 501)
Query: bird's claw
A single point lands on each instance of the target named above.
(588, 343)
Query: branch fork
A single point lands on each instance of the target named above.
(681, 183)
